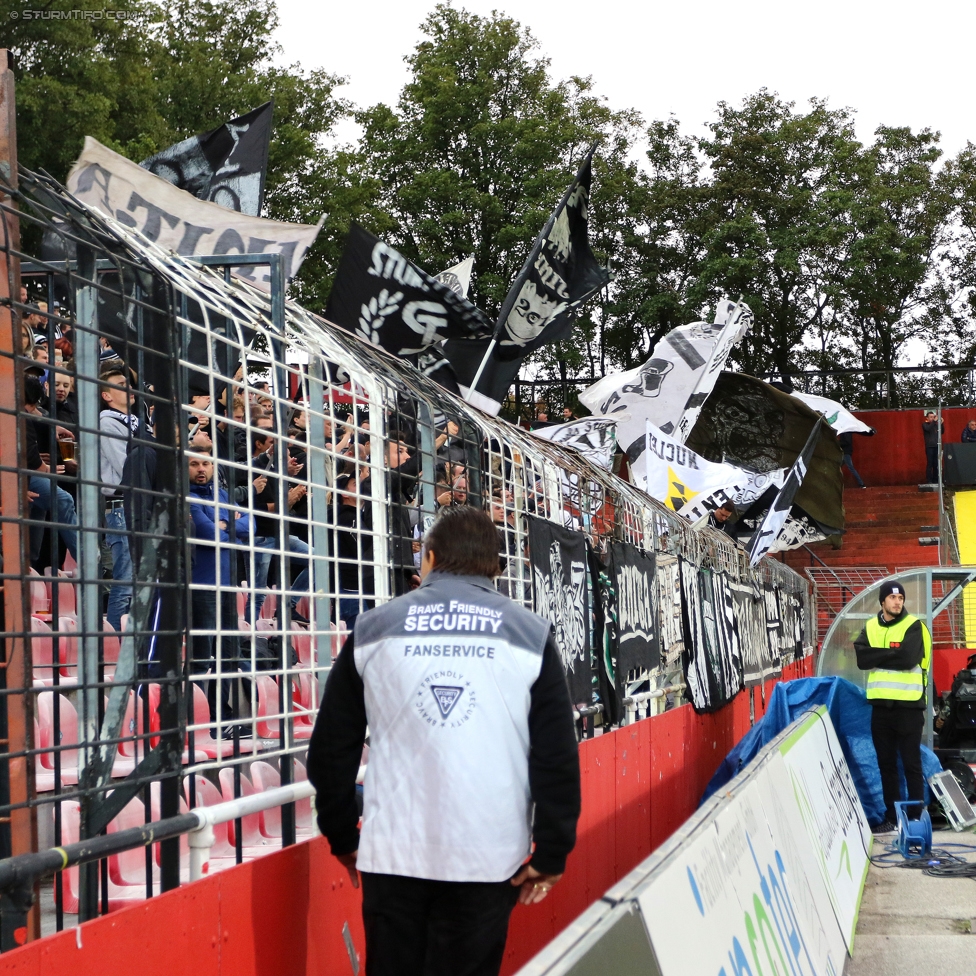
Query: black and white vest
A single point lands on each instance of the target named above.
(447, 672)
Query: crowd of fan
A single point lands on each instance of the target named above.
(234, 475)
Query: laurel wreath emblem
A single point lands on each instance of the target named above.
(374, 314)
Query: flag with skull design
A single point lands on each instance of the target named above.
(387, 300)
(559, 275)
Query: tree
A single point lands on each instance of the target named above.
(162, 73)
(479, 148)
(776, 215)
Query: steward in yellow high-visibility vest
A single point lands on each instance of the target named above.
(896, 649)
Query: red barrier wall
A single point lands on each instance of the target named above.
(895, 455)
(285, 913)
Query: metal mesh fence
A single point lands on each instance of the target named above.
(202, 485)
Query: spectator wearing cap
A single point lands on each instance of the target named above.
(895, 648)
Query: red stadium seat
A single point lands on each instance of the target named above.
(266, 777)
(203, 742)
(222, 853)
(68, 729)
(42, 651)
(268, 710)
(254, 841)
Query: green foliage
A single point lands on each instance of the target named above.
(845, 251)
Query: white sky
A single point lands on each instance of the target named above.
(895, 63)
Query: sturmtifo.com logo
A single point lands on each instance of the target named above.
(445, 700)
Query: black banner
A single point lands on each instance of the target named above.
(559, 569)
(750, 610)
(635, 585)
(728, 634)
(605, 638)
(226, 165)
(385, 299)
(712, 672)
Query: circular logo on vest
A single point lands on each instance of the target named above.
(445, 699)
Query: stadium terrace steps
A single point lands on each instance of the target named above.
(884, 526)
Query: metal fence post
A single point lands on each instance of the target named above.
(16, 711)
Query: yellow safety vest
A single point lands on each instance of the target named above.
(906, 685)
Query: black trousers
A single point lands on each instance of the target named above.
(931, 465)
(416, 927)
(898, 732)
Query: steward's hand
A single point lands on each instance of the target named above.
(348, 861)
(535, 885)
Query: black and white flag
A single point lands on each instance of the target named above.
(759, 661)
(779, 512)
(671, 627)
(593, 437)
(226, 165)
(389, 302)
(559, 571)
(670, 388)
(560, 274)
(634, 575)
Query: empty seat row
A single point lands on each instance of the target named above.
(260, 832)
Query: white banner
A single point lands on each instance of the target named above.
(732, 899)
(458, 277)
(771, 881)
(819, 783)
(593, 437)
(670, 388)
(683, 480)
(836, 414)
(178, 221)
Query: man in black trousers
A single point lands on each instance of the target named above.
(896, 648)
(473, 759)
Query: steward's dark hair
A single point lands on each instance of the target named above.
(464, 541)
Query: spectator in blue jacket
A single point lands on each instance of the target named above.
(211, 528)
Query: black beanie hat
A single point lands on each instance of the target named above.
(889, 587)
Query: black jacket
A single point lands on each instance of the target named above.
(908, 655)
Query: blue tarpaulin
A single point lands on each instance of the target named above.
(851, 715)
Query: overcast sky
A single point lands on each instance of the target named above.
(895, 63)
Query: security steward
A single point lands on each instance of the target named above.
(472, 790)
(896, 648)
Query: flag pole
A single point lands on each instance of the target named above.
(513, 292)
(647, 454)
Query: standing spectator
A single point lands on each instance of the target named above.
(969, 433)
(846, 441)
(473, 791)
(568, 415)
(117, 426)
(354, 544)
(44, 490)
(267, 527)
(930, 431)
(895, 647)
(722, 519)
(211, 528)
(541, 418)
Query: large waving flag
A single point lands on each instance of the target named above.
(387, 300)
(226, 165)
(670, 388)
(560, 274)
(767, 534)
